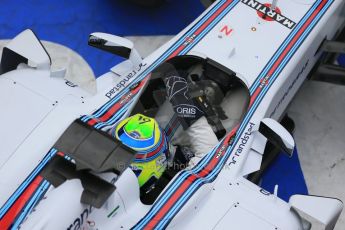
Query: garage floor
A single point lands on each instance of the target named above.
(318, 111)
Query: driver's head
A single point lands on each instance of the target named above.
(142, 134)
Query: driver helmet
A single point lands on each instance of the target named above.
(143, 134)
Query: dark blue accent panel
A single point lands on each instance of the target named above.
(287, 173)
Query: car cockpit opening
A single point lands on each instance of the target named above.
(195, 102)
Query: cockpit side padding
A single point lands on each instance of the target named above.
(223, 76)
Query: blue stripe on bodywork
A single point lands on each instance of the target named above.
(26, 182)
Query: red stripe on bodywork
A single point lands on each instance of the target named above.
(10, 216)
(155, 220)
(189, 181)
(200, 30)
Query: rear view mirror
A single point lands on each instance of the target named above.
(115, 45)
(24, 48)
(277, 135)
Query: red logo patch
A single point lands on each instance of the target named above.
(265, 16)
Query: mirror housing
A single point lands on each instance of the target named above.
(116, 45)
(25, 48)
(277, 135)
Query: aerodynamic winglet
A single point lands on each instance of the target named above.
(325, 210)
(24, 48)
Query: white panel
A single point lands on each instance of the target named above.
(18, 121)
(326, 210)
(237, 218)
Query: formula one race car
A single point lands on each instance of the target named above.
(167, 141)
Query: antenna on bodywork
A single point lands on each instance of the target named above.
(274, 5)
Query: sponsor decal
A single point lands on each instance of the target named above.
(266, 12)
(124, 82)
(221, 151)
(113, 212)
(79, 222)
(189, 40)
(264, 82)
(186, 111)
(266, 193)
(291, 86)
(96, 41)
(243, 142)
(126, 98)
(70, 84)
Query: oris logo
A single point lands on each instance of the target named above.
(186, 110)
